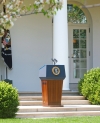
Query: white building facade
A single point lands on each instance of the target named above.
(36, 39)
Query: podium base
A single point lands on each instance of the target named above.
(52, 92)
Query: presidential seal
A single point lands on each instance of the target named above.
(56, 70)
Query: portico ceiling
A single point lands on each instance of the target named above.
(87, 3)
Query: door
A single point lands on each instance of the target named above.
(78, 52)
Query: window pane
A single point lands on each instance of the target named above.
(75, 14)
(76, 73)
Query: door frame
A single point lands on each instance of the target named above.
(70, 37)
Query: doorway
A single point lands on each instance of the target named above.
(78, 51)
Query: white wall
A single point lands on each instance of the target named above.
(96, 35)
(31, 48)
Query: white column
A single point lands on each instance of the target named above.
(60, 41)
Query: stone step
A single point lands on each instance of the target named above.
(56, 114)
(63, 102)
(32, 98)
(31, 107)
(64, 93)
(70, 93)
(65, 108)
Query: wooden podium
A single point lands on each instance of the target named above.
(52, 77)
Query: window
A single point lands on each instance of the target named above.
(75, 14)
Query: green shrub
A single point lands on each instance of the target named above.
(80, 85)
(90, 87)
(8, 100)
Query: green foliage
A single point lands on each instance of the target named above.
(80, 85)
(90, 86)
(8, 100)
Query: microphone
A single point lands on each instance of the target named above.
(54, 61)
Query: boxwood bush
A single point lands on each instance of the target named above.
(8, 100)
(80, 85)
(89, 86)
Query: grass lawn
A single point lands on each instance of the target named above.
(54, 120)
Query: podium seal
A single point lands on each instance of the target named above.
(56, 70)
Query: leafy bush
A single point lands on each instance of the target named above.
(8, 100)
(80, 85)
(90, 86)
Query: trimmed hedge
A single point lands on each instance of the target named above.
(9, 101)
(89, 86)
